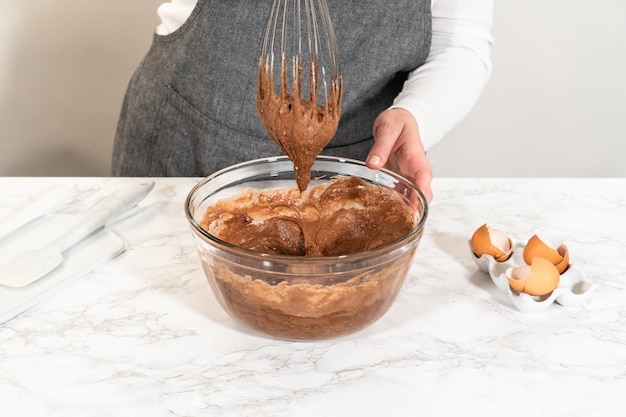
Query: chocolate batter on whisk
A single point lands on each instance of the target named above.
(301, 125)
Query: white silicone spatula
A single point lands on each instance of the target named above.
(28, 267)
(44, 204)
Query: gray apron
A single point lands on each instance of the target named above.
(190, 107)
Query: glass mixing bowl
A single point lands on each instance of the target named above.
(302, 297)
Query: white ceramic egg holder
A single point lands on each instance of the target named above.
(573, 289)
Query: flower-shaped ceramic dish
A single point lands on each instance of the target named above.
(574, 288)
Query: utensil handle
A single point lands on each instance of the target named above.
(101, 212)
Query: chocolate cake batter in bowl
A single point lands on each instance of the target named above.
(306, 265)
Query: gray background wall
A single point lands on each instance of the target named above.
(555, 105)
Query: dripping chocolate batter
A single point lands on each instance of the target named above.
(300, 126)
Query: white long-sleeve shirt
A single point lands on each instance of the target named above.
(440, 93)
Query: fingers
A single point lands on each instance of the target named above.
(423, 181)
(414, 165)
(386, 130)
(398, 147)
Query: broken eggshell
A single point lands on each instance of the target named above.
(539, 278)
(557, 255)
(493, 242)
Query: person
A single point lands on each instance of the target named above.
(412, 69)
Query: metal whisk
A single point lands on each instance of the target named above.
(300, 85)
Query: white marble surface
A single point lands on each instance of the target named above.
(144, 336)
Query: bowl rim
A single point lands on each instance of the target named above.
(386, 248)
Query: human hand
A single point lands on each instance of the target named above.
(398, 147)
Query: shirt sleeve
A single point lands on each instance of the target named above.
(443, 90)
(173, 14)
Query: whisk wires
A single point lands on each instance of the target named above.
(300, 32)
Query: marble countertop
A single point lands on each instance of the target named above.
(142, 335)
